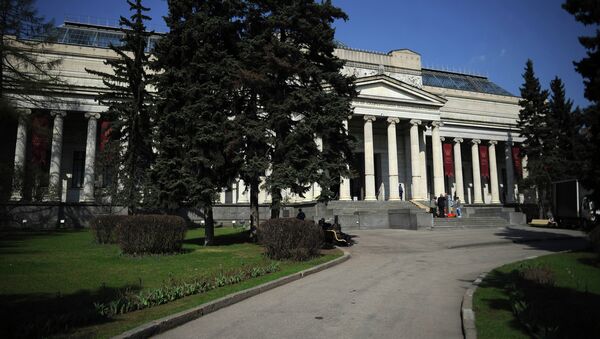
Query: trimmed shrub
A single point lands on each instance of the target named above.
(151, 234)
(290, 238)
(103, 228)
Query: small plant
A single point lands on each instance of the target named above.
(103, 228)
(150, 234)
(290, 238)
(538, 275)
(129, 301)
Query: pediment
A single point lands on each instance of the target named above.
(384, 88)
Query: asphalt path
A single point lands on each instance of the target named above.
(398, 284)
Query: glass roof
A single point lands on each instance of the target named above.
(463, 82)
(94, 36)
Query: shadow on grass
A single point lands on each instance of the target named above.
(544, 310)
(43, 315)
(11, 238)
(223, 240)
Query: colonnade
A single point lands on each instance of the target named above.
(418, 167)
(54, 185)
(417, 149)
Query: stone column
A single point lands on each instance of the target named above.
(90, 158)
(423, 162)
(494, 172)
(524, 167)
(243, 199)
(222, 197)
(393, 158)
(476, 171)
(369, 159)
(344, 181)
(510, 173)
(54, 185)
(438, 167)
(415, 163)
(316, 188)
(458, 172)
(20, 155)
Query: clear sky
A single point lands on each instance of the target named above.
(493, 38)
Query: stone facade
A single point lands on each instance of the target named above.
(404, 117)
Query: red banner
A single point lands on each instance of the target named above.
(448, 161)
(516, 155)
(104, 134)
(39, 139)
(484, 161)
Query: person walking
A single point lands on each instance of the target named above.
(441, 204)
(301, 214)
(400, 190)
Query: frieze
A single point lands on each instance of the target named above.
(372, 104)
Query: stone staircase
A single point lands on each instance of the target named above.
(481, 217)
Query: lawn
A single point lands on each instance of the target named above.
(566, 308)
(51, 272)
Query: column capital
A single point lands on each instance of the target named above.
(23, 111)
(55, 113)
(415, 122)
(393, 120)
(369, 118)
(91, 115)
(476, 141)
(442, 138)
(493, 142)
(437, 124)
(458, 140)
(350, 117)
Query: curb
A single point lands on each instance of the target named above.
(161, 325)
(466, 310)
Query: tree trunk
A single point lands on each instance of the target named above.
(209, 227)
(275, 203)
(255, 218)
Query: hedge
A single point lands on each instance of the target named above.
(290, 238)
(151, 234)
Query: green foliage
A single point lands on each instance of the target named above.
(594, 236)
(103, 227)
(535, 125)
(586, 12)
(197, 62)
(290, 238)
(554, 296)
(130, 301)
(150, 234)
(296, 80)
(129, 108)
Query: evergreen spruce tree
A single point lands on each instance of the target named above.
(198, 85)
(564, 133)
(535, 126)
(588, 13)
(129, 107)
(301, 94)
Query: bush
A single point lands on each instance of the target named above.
(595, 238)
(103, 228)
(144, 234)
(290, 238)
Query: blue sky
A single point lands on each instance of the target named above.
(493, 38)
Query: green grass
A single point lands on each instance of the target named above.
(577, 286)
(54, 271)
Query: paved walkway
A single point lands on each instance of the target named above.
(398, 284)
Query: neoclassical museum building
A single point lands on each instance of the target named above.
(421, 132)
